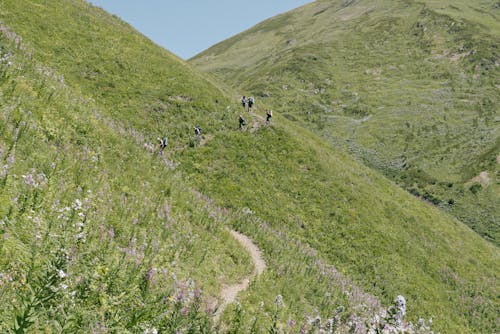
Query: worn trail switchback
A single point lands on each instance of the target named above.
(229, 293)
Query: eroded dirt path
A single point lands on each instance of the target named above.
(229, 293)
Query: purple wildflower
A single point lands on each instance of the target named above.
(29, 180)
(149, 275)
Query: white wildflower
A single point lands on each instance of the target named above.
(41, 178)
(81, 236)
(247, 211)
(279, 301)
(61, 273)
(401, 304)
(77, 205)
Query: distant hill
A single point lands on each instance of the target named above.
(102, 234)
(410, 88)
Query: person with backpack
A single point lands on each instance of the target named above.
(244, 102)
(250, 103)
(197, 130)
(242, 122)
(269, 115)
(162, 143)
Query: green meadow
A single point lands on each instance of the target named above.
(408, 88)
(100, 233)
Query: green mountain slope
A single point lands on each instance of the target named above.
(83, 98)
(94, 230)
(408, 87)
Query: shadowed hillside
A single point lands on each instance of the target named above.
(410, 88)
(101, 234)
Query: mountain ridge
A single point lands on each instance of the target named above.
(408, 88)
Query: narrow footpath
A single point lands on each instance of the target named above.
(229, 293)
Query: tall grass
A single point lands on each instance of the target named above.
(97, 234)
(409, 89)
(86, 113)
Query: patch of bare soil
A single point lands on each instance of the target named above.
(229, 293)
(483, 179)
(205, 139)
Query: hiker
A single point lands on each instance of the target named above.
(250, 103)
(197, 130)
(269, 115)
(244, 102)
(162, 143)
(242, 122)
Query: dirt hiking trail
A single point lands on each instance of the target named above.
(229, 293)
(258, 122)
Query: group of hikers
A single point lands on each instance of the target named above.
(163, 142)
(245, 102)
(250, 102)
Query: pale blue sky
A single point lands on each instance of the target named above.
(187, 27)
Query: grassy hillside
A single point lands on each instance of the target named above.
(382, 237)
(82, 95)
(95, 231)
(409, 88)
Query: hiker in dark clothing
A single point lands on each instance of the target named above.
(269, 115)
(244, 102)
(250, 103)
(162, 143)
(242, 122)
(197, 130)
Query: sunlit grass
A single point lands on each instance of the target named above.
(118, 235)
